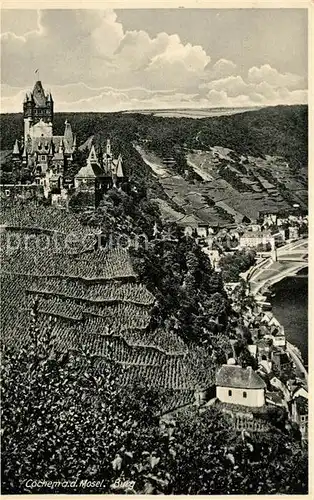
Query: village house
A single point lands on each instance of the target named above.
(299, 414)
(293, 232)
(264, 349)
(278, 337)
(240, 386)
(280, 360)
(251, 239)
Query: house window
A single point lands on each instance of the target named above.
(229, 393)
(245, 394)
(43, 157)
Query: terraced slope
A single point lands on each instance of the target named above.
(233, 187)
(91, 296)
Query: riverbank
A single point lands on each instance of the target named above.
(286, 309)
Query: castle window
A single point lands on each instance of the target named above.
(7, 192)
(43, 157)
(245, 394)
(229, 393)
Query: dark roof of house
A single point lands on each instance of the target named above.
(238, 377)
(276, 397)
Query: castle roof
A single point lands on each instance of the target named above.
(39, 94)
(238, 377)
(43, 144)
(89, 171)
(116, 167)
(92, 157)
(119, 167)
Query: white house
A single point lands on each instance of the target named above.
(240, 386)
(279, 338)
(253, 239)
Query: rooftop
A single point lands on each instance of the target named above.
(238, 377)
(91, 170)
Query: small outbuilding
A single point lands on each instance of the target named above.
(240, 386)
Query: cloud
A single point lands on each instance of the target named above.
(221, 69)
(91, 63)
(267, 74)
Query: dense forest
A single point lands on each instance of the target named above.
(279, 130)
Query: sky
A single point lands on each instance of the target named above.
(105, 60)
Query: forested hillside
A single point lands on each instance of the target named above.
(280, 130)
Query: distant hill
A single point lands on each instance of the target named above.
(192, 113)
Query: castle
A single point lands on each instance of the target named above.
(48, 157)
(40, 150)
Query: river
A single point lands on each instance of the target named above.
(290, 307)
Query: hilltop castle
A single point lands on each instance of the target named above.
(40, 150)
(48, 157)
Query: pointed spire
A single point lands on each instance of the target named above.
(92, 157)
(16, 150)
(108, 147)
(60, 147)
(39, 94)
(68, 134)
(119, 167)
(24, 154)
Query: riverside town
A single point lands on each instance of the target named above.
(147, 347)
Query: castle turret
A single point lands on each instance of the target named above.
(68, 137)
(108, 148)
(37, 106)
(120, 174)
(16, 151)
(61, 147)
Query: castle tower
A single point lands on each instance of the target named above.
(37, 106)
(16, 154)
